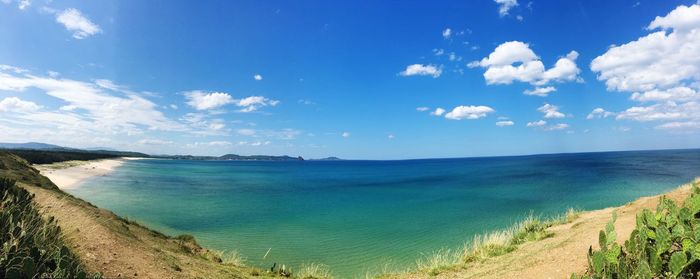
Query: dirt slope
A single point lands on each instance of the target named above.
(118, 248)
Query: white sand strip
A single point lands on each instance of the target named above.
(68, 175)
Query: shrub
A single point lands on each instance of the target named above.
(31, 246)
(664, 244)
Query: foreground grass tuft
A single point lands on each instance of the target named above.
(231, 257)
(492, 244)
(314, 271)
(438, 261)
(484, 246)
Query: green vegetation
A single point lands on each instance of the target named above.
(314, 271)
(489, 245)
(48, 157)
(664, 244)
(31, 246)
(18, 169)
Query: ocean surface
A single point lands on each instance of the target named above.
(357, 216)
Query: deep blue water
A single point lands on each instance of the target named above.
(354, 216)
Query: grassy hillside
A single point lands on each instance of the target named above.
(18, 169)
(32, 247)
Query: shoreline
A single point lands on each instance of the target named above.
(70, 174)
(559, 255)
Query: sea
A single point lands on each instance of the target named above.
(359, 217)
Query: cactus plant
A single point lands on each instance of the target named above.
(664, 244)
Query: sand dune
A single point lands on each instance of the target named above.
(68, 175)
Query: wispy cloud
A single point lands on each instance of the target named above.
(76, 22)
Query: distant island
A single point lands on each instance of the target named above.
(232, 157)
(328, 159)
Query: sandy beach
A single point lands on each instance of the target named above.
(68, 175)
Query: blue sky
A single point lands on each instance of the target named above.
(360, 79)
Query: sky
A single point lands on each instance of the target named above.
(352, 79)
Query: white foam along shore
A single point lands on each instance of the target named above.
(69, 174)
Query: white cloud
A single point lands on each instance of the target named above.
(16, 70)
(246, 132)
(154, 142)
(542, 125)
(422, 70)
(422, 109)
(219, 143)
(68, 108)
(202, 101)
(540, 91)
(663, 112)
(23, 4)
(438, 112)
(662, 67)
(468, 112)
(216, 125)
(505, 123)
(599, 113)
(438, 51)
(550, 111)
(447, 33)
(556, 127)
(680, 93)
(254, 143)
(680, 126)
(390, 136)
(306, 102)
(14, 104)
(102, 109)
(200, 124)
(77, 23)
(253, 103)
(346, 134)
(508, 53)
(257, 77)
(683, 18)
(173, 106)
(284, 134)
(538, 123)
(515, 61)
(504, 6)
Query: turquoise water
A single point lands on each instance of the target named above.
(355, 216)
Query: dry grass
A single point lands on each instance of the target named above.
(438, 261)
(491, 244)
(231, 257)
(314, 271)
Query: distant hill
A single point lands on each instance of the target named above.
(34, 149)
(233, 157)
(30, 145)
(332, 158)
(37, 152)
(236, 157)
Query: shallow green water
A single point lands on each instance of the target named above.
(356, 216)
